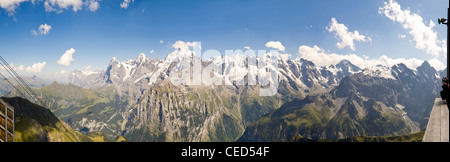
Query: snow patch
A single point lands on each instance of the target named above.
(129, 70)
(88, 72)
(379, 71)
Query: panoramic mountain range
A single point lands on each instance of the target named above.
(137, 100)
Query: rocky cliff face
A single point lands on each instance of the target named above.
(168, 113)
(398, 86)
(378, 101)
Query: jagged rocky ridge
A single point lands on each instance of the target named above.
(378, 101)
(136, 99)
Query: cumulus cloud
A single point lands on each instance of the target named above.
(93, 5)
(66, 59)
(321, 58)
(60, 5)
(52, 5)
(247, 48)
(437, 64)
(21, 68)
(10, 5)
(62, 72)
(401, 36)
(43, 29)
(424, 35)
(276, 45)
(345, 37)
(184, 45)
(35, 68)
(125, 3)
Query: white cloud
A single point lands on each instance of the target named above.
(152, 51)
(345, 37)
(185, 45)
(93, 5)
(125, 3)
(66, 59)
(437, 64)
(276, 45)
(21, 68)
(247, 48)
(424, 35)
(43, 29)
(35, 68)
(161, 41)
(321, 58)
(60, 5)
(401, 36)
(10, 5)
(284, 56)
(52, 5)
(62, 72)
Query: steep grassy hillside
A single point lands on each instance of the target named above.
(34, 123)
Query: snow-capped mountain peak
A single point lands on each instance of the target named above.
(141, 58)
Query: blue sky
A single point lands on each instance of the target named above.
(114, 31)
